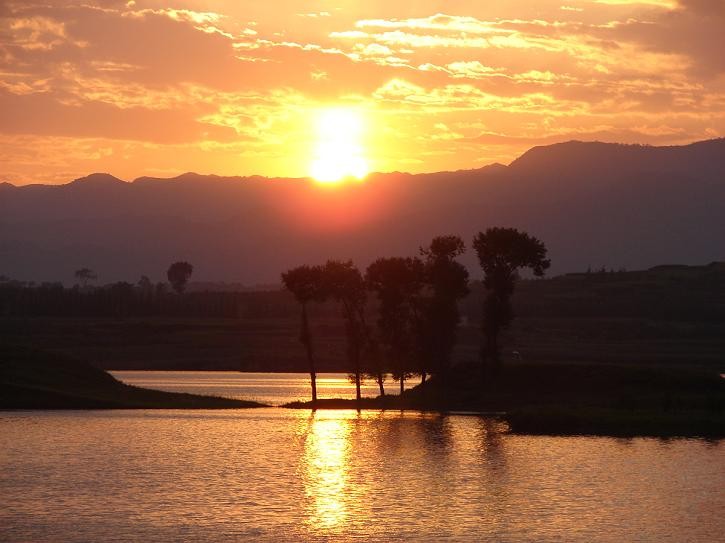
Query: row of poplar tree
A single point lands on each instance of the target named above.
(417, 305)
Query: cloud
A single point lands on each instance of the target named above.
(146, 83)
(315, 14)
(469, 97)
(667, 4)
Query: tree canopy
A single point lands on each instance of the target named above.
(502, 252)
(179, 274)
(84, 275)
(506, 250)
(305, 283)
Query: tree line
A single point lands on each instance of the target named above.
(417, 310)
(141, 299)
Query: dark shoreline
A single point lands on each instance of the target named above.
(562, 421)
(33, 379)
(533, 399)
(561, 399)
(124, 397)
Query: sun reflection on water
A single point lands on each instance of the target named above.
(326, 459)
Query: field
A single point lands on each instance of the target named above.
(272, 345)
(665, 316)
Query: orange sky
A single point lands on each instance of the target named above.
(237, 87)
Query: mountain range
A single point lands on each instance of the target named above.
(593, 204)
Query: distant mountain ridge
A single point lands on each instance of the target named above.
(594, 204)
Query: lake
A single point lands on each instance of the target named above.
(286, 475)
(268, 388)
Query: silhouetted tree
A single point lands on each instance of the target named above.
(306, 285)
(145, 284)
(85, 275)
(178, 275)
(501, 253)
(344, 282)
(447, 282)
(397, 282)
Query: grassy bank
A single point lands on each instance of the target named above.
(33, 379)
(567, 399)
(246, 344)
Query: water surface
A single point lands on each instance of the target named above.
(268, 388)
(274, 475)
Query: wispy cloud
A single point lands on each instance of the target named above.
(119, 85)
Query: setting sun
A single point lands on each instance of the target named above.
(338, 150)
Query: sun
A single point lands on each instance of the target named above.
(338, 151)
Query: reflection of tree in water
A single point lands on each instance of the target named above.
(305, 426)
(427, 454)
(492, 444)
(415, 433)
(495, 501)
(355, 465)
(436, 435)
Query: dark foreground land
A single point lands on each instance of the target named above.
(31, 379)
(570, 399)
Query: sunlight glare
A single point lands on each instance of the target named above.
(339, 152)
(326, 459)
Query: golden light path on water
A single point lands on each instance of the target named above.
(327, 446)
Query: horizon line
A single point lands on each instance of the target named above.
(369, 174)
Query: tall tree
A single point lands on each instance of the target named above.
(306, 285)
(178, 275)
(397, 282)
(447, 282)
(502, 252)
(344, 282)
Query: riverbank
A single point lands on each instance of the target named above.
(566, 399)
(33, 379)
(533, 398)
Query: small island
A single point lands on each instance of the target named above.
(570, 399)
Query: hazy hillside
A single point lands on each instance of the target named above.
(594, 204)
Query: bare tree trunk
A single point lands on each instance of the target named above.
(402, 383)
(354, 339)
(370, 345)
(307, 340)
(358, 396)
(356, 355)
(422, 378)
